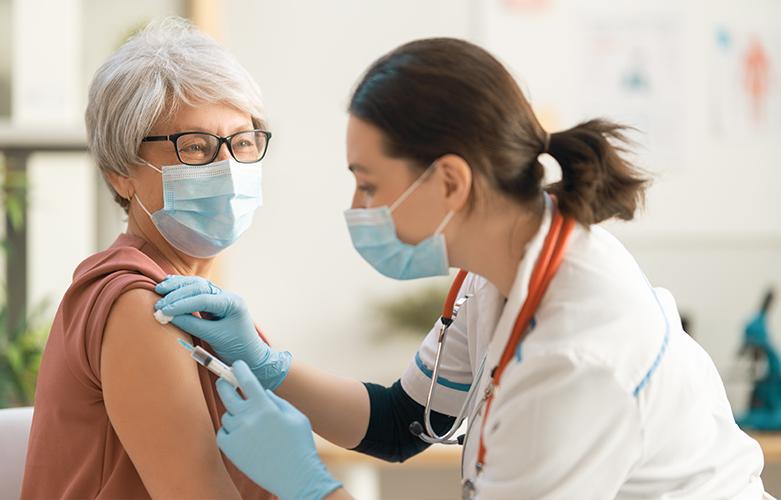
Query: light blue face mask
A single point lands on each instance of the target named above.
(373, 233)
(207, 207)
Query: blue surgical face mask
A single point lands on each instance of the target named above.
(373, 234)
(207, 207)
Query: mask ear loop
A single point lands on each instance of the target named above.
(141, 205)
(135, 196)
(412, 187)
(146, 163)
(444, 223)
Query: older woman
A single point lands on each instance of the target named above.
(175, 126)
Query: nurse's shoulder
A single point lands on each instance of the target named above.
(600, 308)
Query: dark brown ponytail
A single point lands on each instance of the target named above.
(445, 96)
(597, 183)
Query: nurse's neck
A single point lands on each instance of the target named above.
(493, 239)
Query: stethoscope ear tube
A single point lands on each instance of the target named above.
(417, 429)
(450, 310)
(425, 431)
(452, 307)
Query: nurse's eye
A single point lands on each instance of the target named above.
(367, 189)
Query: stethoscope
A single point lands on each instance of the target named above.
(427, 434)
(545, 269)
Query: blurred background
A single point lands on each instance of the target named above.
(700, 80)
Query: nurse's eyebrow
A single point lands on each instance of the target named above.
(354, 166)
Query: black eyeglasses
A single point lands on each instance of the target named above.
(200, 148)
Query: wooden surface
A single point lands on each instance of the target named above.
(771, 445)
(435, 456)
(443, 456)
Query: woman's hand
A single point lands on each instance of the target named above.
(230, 331)
(271, 441)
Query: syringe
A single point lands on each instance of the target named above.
(211, 363)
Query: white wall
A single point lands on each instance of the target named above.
(37, 97)
(5, 59)
(710, 232)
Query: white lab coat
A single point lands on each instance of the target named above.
(607, 396)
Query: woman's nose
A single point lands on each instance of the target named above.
(355, 200)
(223, 153)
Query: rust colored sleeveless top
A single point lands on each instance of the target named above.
(73, 450)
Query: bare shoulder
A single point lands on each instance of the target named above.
(141, 349)
(131, 325)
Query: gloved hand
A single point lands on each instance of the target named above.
(271, 441)
(230, 331)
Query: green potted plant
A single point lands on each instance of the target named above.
(21, 344)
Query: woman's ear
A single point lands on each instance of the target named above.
(458, 180)
(121, 184)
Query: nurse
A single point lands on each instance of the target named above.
(585, 384)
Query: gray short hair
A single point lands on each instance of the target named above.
(167, 64)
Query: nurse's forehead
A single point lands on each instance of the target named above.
(365, 142)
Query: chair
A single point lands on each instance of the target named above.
(14, 432)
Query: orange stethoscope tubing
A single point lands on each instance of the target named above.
(545, 269)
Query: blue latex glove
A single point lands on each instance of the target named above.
(230, 330)
(270, 441)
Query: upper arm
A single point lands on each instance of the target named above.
(560, 428)
(155, 403)
(392, 411)
(455, 371)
